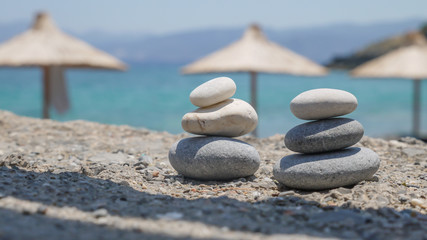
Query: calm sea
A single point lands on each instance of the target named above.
(156, 97)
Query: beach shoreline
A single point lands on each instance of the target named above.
(95, 95)
(82, 179)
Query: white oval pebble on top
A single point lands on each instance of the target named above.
(323, 103)
(213, 91)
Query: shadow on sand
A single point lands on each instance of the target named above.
(284, 215)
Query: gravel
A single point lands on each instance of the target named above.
(84, 180)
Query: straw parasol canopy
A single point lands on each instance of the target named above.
(254, 53)
(46, 46)
(408, 62)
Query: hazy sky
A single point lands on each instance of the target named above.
(162, 16)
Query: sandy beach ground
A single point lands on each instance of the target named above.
(84, 180)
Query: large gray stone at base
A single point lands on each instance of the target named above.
(214, 158)
(324, 135)
(326, 170)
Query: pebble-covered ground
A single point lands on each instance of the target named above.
(83, 180)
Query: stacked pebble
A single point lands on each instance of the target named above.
(216, 155)
(327, 160)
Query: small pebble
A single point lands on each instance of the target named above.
(242, 179)
(343, 190)
(42, 210)
(286, 193)
(155, 173)
(418, 202)
(403, 198)
(373, 179)
(102, 212)
(256, 195)
(144, 160)
(171, 216)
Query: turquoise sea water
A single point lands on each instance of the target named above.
(156, 97)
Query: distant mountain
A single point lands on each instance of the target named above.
(320, 44)
(377, 49)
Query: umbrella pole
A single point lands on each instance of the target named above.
(46, 93)
(254, 97)
(416, 108)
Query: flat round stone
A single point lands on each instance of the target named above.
(323, 103)
(326, 170)
(214, 158)
(230, 118)
(324, 135)
(213, 91)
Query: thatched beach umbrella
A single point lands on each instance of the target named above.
(406, 62)
(46, 46)
(254, 53)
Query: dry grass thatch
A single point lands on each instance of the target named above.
(45, 45)
(406, 62)
(255, 53)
